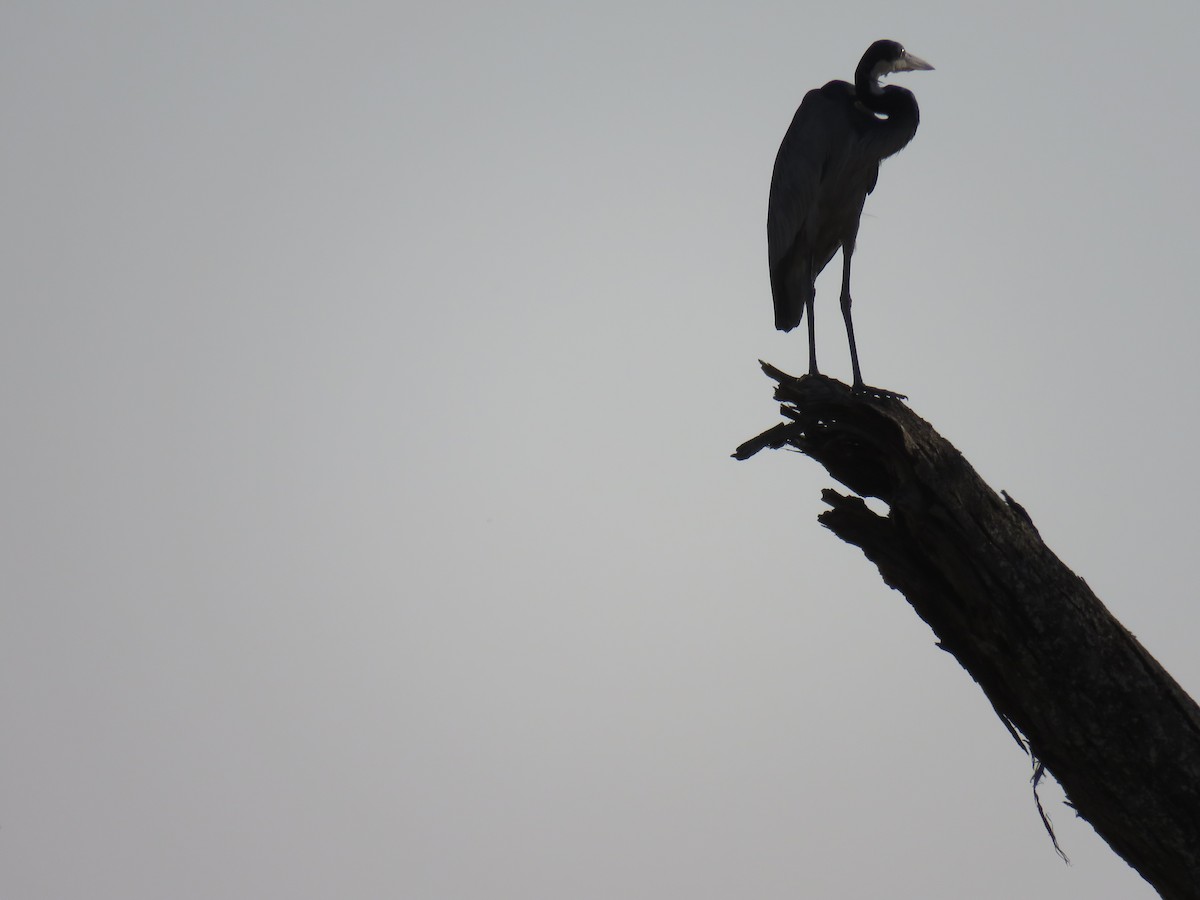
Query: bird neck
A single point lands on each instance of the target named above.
(896, 103)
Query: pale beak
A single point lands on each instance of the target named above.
(910, 63)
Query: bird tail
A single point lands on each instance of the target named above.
(790, 296)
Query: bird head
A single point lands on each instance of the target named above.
(885, 57)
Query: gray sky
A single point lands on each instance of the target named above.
(370, 375)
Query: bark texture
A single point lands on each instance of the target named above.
(1117, 732)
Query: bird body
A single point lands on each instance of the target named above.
(826, 166)
(817, 193)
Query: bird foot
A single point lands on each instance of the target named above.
(865, 390)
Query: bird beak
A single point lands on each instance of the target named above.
(910, 63)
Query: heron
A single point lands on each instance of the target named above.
(827, 164)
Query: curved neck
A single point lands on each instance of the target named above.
(898, 104)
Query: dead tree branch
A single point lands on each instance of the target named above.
(1117, 732)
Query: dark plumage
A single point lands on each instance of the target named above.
(827, 164)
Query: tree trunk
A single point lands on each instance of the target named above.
(1116, 731)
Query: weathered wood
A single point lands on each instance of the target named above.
(1117, 732)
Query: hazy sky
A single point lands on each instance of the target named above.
(370, 373)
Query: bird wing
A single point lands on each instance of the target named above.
(820, 133)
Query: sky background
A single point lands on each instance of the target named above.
(370, 373)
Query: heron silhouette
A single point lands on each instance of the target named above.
(827, 164)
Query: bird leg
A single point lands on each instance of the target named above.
(847, 253)
(812, 334)
(858, 387)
